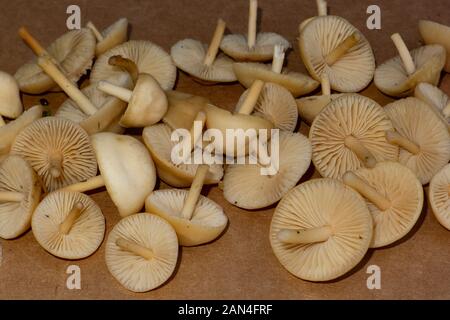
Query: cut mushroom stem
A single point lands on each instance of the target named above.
(249, 103)
(361, 151)
(90, 184)
(252, 20)
(321, 7)
(73, 216)
(342, 48)
(135, 248)
(395, 138)
(32, 42)
(46, 63)
(213, 48)
(325, 84)
(195, 133)
(10, 196)
(122, 93)
(368, 192)
(98, 35)
(305, 236)
(55, 165)
(278, 58)
(194, 192)
(403, 51)
(126, 64)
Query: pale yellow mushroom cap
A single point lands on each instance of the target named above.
(10, 103)
(440, 197)
(436, 33)
(182, 109)
(114, 35)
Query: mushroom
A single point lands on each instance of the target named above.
(439, 194)
(322, 10)
(394, 197)
(321, 230)
(331, 45)
(127, 171)
(10, 104)
(436, 33)
(202, 61)
(246, 187)
(399, 76)
(20, 192)
(69, 225)
(422, 136)
(9, 131)
(58, 150)
(142, 252)
(436, 99)
(157, 138)
(73, 52)
(256, 46)
(182, 109)
(148, 57)
(348, 134)
(196, 219)
(114, 35)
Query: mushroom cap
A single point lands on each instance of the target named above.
(414, 120)
(433, 97)
(157, 138)
(391, 76)
(276, 104)
(314, 204)
(16, 175)
(208, 219)
(189, 55)
(235, 45)
(148, 57)
(10, 103)
(439, 196)
(310, 107)
(182, 109)
(436, 33)
(114, 35)
(399, 185)
(134, 272)
(127, 169)
(353, 71)
(297, 83)
(86, 234)
(148, 104)
(62, 140)
(349, 115)
(74, 51)
(245, 187)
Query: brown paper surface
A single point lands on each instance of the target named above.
(239, 265)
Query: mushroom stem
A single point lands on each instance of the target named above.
(90, 184)
(404, 53)
(66, 85)
(305, 236)
(278, 58)
(395, 138)
(321, 7)
(361, 151)
(73, 216)
(342, 48)
(194, 192)
(252, 97)
(11, 196)
(122, 93)
(2, 121)
(325, 84)
(195, 134)
(55, 161)
(126, 64)
(135, 248)
(252, 20)
(98, 35)
(213, 48)
(32, 42)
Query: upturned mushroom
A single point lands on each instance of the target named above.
(114, 35)
(439, 195)
(69, 225)
(394, 197)
(436, 99)
(204, 62)
(348, 134)
(330, 45)
(183, 109)
(58, 150)
(73, 52)
(422, 136)
(196, 219)
(20, 192)
(142, 252)
(127, 171)
(436, 33)
(321, 230)
(399, 76)
(10, 104)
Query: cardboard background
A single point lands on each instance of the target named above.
(239, 265)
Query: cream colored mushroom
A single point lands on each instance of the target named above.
(439, 195)
(114, 35)
(436, 33)
(321, 230)
(142, 252)
(182, 109)
(10, 104)
(20, 192)
(69, 225)
(436, 99)
(322, 10)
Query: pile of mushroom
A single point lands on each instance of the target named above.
(374, 161)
